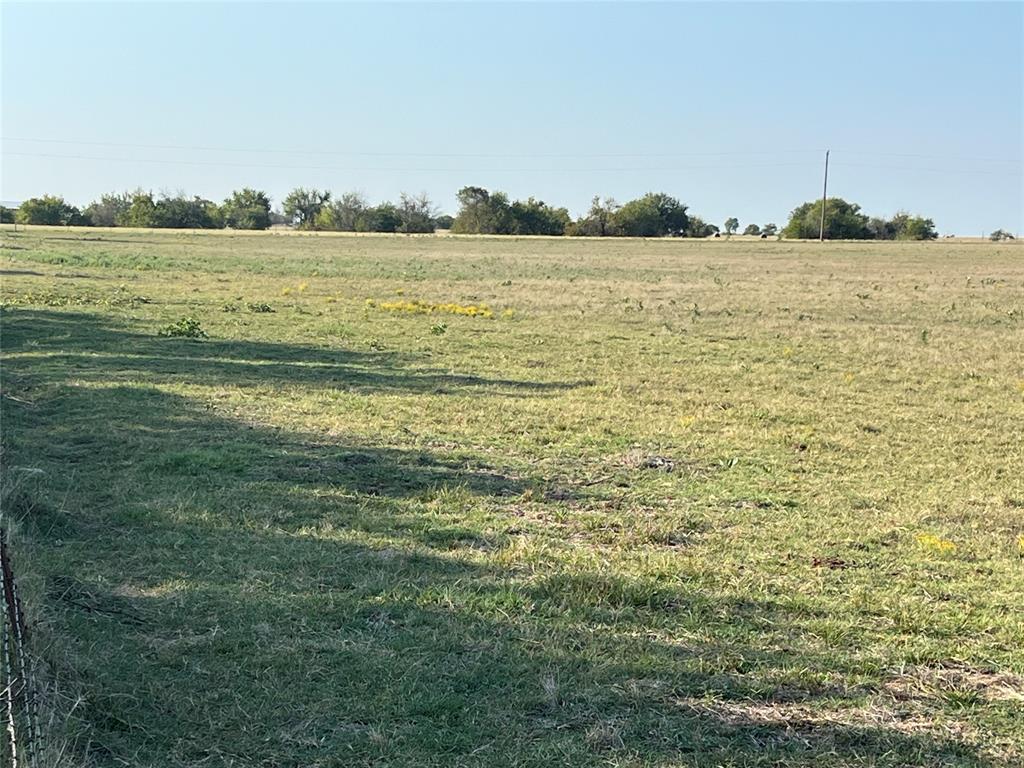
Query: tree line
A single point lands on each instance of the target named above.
(846, 221)
(481, 212)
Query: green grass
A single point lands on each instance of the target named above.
(674, 504)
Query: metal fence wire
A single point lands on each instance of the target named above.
(19, 693)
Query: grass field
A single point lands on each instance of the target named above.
(661, 503)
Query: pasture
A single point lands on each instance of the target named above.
(431, 501)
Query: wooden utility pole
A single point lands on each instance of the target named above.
(824, 196)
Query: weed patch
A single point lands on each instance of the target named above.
(186, 327)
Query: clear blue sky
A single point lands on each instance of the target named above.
(727, 106)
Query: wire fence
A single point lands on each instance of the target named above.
(20, 694)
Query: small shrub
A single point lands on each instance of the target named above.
(187, 327)
(439, 329)
(259, 308)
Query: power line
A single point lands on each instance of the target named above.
(291, 166)
(932, 157)
(927, 170)
(619, 169)
(502, 155)
(498, 155)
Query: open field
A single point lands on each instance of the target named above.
(664, 503)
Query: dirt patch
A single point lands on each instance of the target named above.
(636, 459)
(832, 563)
(810, 723)
(921, 682)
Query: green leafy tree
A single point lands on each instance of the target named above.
(444, 221)
(482, 213)
(141, 212)
(415, 213)
(599, 221)
(907, 227)
(697, 227)
(381, 218)
(6, 215)
(769, 229)
(49, 209)
(109, 209)
(1000, 234)
(344, 213)
(302, 206)
(535, 217)
(246, 209)
(919, 228)
(177, 212)
(881, 229)
(182, 212)
(902, 226)
(843, 221)
(731, 225)
(653, 215)
(752, 229)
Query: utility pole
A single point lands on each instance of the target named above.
(824, 196)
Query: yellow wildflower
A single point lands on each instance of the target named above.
(934, 542)
(422, 307)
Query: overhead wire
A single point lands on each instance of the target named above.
(291, 166)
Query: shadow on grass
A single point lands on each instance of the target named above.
(83, 346)
(239, 595)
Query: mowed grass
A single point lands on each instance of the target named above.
(672, 504)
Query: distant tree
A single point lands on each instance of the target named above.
(415, 213)
(179, 212)
(637, 218)
(731, 225)
(381, 218)
(182, 212)
(843, 221)
(344, 213)
(482, 213)
(697, 227)
(535, 217)
(1000, 234)
(598, 221)
(769, 229)
(475, 211)
(444, 221)
(277, 218)
(653, 215)
(913, 227)
(7, 214)
(141, 212)
(880, 229)
(106, 211)
(902, 226)
(246, 209)
(752, 229)
(302, 206)
(49, 209)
